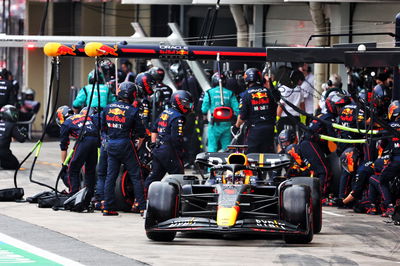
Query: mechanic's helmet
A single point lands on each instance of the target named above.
(349, 159)
(293, 151)
(215, 79)
(146, 82)
(129, 91)
(394, 110)
(91, 77)
(92, 111)
(28, 94)
(381, 97)
(177, 72)
(157, 73)
(335, 101)
(286, 137)
(252, 75)
(4, 73)
(182, 101)
(9, 113)
(62, 114)
(108, 69)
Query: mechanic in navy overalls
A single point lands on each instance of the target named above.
(121, 121)
(146, 83)
(393, 168)
(86, 150)
(258, 107)
(315, 149)
(167, 136)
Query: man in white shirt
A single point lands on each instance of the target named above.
(307, 88)
(293, 95)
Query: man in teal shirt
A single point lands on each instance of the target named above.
(83, 97)
(218, 132)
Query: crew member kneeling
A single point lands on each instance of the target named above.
(8, 130)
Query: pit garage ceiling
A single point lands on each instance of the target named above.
(244, 2)
(202, 2)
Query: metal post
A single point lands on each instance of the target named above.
(396, 75)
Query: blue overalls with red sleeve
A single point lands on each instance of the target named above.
(85, 152)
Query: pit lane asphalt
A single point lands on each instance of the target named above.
(347, 238)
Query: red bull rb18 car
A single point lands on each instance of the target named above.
(235, 198)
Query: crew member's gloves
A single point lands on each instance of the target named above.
(303, 119)
(152, 145)
(235, 130)
(276, 123)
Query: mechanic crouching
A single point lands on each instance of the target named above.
(167, 138)
(85, 152)
(119, 121)
(9, 130)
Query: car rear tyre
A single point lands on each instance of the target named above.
(314, 184)
(124, 196)
(162, 204)
(296, 209)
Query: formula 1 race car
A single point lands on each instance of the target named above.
(236, 197)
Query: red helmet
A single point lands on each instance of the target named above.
(62, 114)
(394, 110)
(182, 101)
(157, 73)
(146, 82)
(335, 101)
(349, 159)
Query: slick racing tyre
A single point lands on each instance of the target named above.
(162, 204)
(296, 209)
(314, 184)
(124, 196)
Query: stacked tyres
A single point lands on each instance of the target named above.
(162, 205)
(314, 185)
(296, 209)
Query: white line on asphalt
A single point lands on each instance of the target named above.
(332, 213)
(37, 251)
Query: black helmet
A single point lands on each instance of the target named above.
(182, 101)
(108, 69)
(336, 101)
(349, 159)
(294, 152)
(177, 72)
(394, 110)
(252, 75)
(28, 94)
(62, 114)
(9, 113)
(157, 73)
(286, 137)
(215, 79)
(381, 97)
(91, 78)
(129, 91)
(146, 82)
